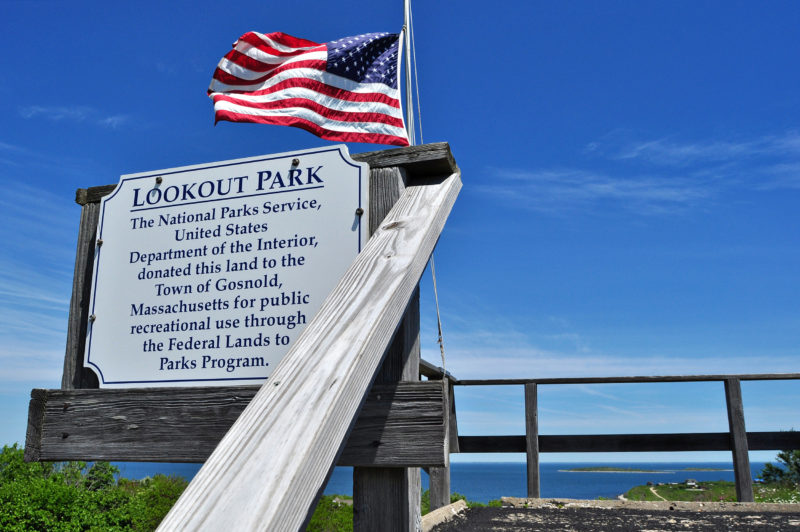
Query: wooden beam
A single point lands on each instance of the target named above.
(738, 441)
(74, 375)
(419, 161)
(270, 468)
(376, 489)
(431, 371)
(609, 443)
(636, 379)
(491, 444)
(439, 487)
(33, 435)
(452, 419)
(399, 425)
(425, 160)
(773, 441)
(86, 196)
(388, 498)
(532, 440)
(439, 477)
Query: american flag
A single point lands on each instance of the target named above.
(344, 90)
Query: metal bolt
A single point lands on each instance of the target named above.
(295, 162)
(92, 318)
(99, 242)
(159, 179)
(359, 211)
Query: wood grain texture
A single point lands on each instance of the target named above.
(74, 375)
(434, 159)
(532, 440)
(271, 466)
(405, 426)
(399, 489)
(399, 425)
(738, 441)
(386, 185)
(33, 434)
(452, 419)
(86, 196)
(605, 443)
(439, 483)
(439, 477)
(393, 483)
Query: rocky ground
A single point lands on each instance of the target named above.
(569, 514)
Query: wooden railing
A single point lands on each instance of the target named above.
(737, 439)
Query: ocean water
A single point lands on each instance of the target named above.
(483, 482)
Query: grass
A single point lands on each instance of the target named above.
(716, 491)
(334, 514)
(455, 496)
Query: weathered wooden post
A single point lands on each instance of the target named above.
(389, 498)
(532, 439)
(439, 477)
(74, 376)
(738, 435)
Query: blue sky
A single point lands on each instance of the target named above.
(631, 179)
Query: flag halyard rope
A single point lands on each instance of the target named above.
(411, 56)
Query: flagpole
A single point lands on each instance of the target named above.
(409, 99)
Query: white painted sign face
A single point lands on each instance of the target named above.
(205, 274)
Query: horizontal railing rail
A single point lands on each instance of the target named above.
(737, 439)
(627, 443)
(631, 379)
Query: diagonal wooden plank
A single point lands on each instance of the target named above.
(270, 468)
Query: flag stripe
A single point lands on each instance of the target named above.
(312, 116)
(314, 78)
(364, 105)
(324, 89)
(311, 127)
(234, 74)
(347, 93)
(247, 62)
(257, 50)
(279, 41)
(358, 114)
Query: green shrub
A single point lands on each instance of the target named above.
(786, 472)
(74, 496)
(332, 515)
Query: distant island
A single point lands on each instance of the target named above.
(616, 469)
(611, 469)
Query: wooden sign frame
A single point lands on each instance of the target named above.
(397, 422)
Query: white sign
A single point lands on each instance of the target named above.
(205, 274)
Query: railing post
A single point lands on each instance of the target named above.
(439, 477)
(439, 485)
(532, 440)
(741, 460)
